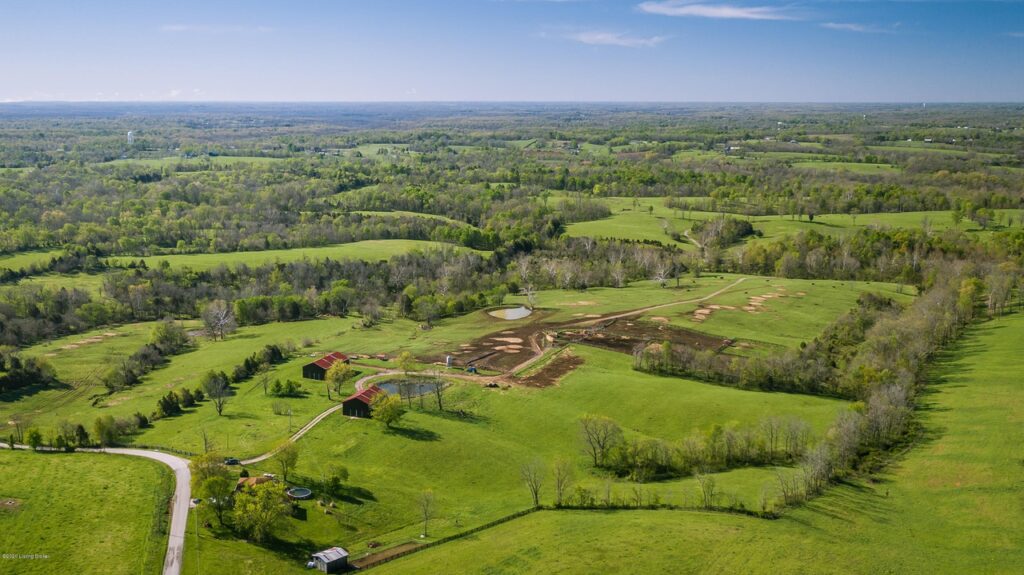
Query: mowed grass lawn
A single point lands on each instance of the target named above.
(952, 504)
(369, 250)
(472, 462)
(85, 512)
(795, 311)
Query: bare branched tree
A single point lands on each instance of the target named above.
(563, 480)
(532, 474)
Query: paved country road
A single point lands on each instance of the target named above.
(179, 502)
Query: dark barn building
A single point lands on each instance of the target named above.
(318, 369)
(358, 404)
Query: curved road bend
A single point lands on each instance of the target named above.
(179, 502)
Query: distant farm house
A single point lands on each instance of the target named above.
(333, 560)
(318, 369)
(358, 404)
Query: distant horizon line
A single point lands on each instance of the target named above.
(449, 102)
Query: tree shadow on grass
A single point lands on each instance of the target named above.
(230, 415)
(299, 550)
(355, 495)
(23, 392)
(458, 415)
(416, 433)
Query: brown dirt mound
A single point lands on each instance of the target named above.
(554, 371)
(9, 503)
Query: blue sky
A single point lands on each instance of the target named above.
(513, 50)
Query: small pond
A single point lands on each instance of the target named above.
(414, 390)
(511, 313)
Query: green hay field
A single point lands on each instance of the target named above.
(369, 250)
(82, 513)
(472, 462)
(21, 260)
(949, 505)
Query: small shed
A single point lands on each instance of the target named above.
(333, 560)
(318, 369)
(358, 404)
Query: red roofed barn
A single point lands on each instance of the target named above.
(318, 369)
(358, 404)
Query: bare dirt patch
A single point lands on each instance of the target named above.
(373, 558)
(626, 336)
(9, 503)
(563, 364)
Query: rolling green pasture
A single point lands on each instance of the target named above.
(631, 225)
(634, 219)
(949, 505)
(92, 283)
(369, 250)
(249, 426)
(472, 462)
(563, 305)
(83, 512)
(798, 310)
(20, 260)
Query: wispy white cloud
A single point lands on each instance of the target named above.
(1015, 34)
(215, 29)
(852, 27)
(698, 9)
(601, 38)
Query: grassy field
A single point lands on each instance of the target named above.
(647, 219)
(21, 260)
(83, 513)
(404, 214)
(249, 426)
(369, 250)
(472, 461)
(92, 283)
(795, 311)
(950, 505)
